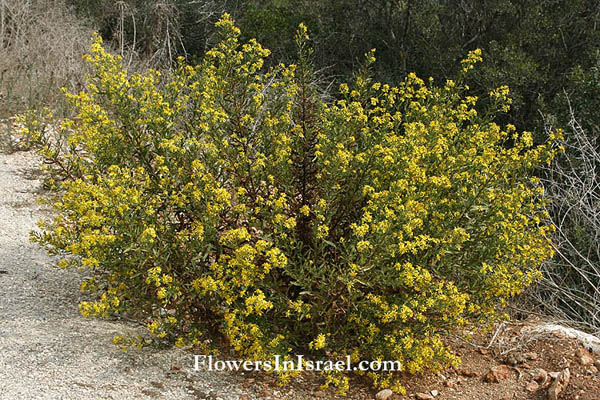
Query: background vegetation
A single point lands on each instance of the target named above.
(531, 46)
(41, 43)
(537, 48)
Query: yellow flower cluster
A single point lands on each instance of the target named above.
(226, 195)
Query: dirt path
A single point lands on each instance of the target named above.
(47, 350)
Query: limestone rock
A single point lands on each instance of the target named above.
(497, 374)
(584, 357)
(592, 370)
(468, 373)
(532, 386)
(384, 394)
(559, 384)
(532, 355)
(515, 358)
(540, 376)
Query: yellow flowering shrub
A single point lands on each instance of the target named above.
(229, 198)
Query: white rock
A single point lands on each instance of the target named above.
(384, 394)
(590, 342)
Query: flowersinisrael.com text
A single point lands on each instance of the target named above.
(299, 363)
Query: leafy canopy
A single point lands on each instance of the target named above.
(226, 197)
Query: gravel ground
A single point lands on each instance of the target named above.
(47, 350)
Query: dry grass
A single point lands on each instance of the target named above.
(570, 287)
(41, 43)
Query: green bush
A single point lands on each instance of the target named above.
(229, 198)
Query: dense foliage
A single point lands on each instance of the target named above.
(233, 198)
(529, 45)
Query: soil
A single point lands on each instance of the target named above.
(525, 355)
(515, 346)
